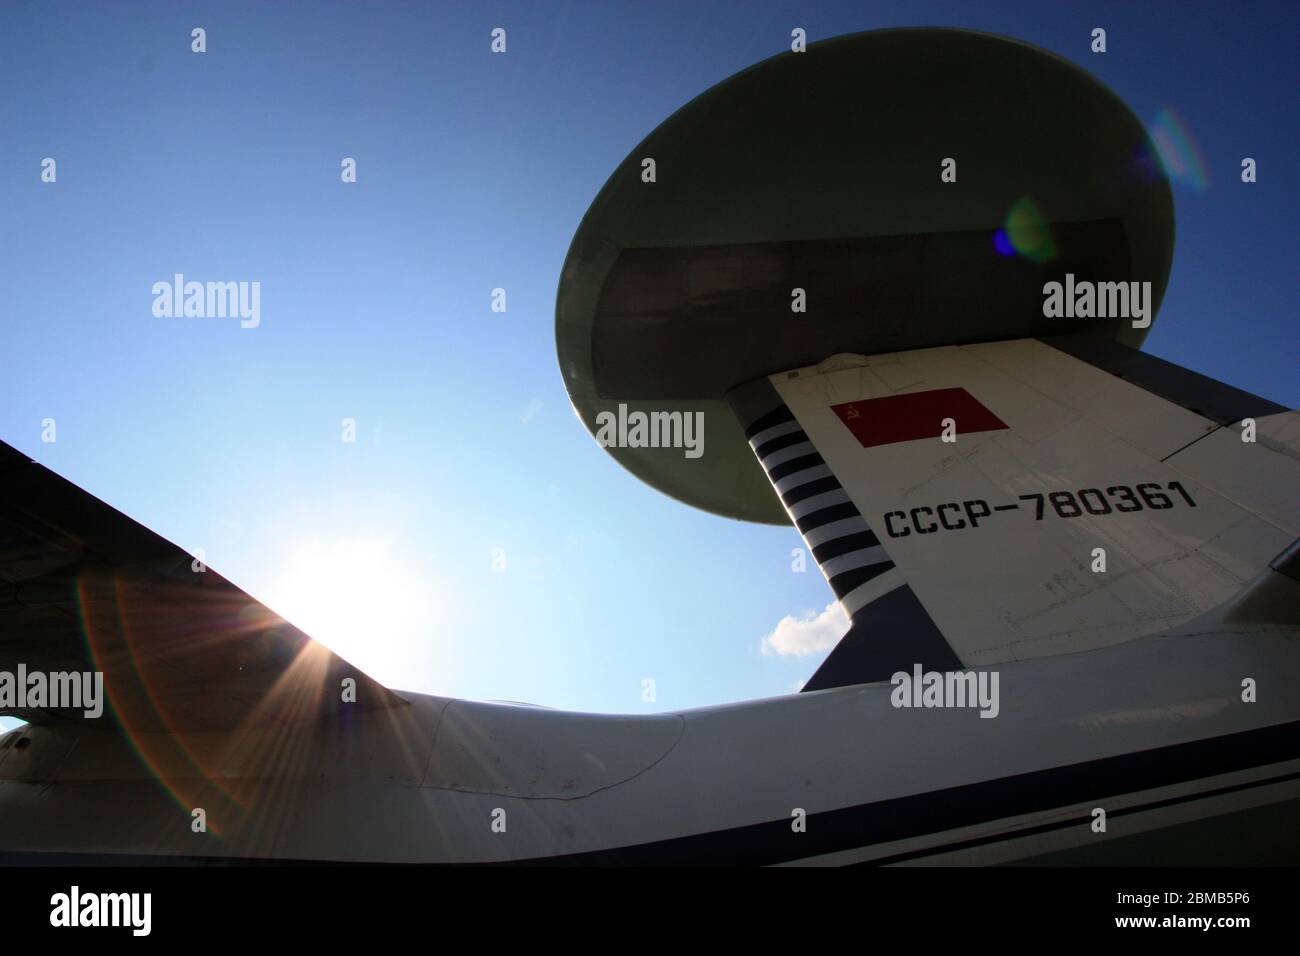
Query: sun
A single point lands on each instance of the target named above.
(359, 598)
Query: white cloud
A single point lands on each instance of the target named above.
(810, 634)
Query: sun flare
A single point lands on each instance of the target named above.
(358, 598)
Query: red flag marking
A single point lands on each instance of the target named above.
(895, 418)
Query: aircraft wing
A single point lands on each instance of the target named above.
(85, 588)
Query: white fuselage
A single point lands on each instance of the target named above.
(837, 776)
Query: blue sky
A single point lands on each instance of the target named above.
(474, 170)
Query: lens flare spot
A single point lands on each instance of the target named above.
(1178, 151)
(1028, 233)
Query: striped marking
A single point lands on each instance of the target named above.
(835, 547)
(794, 466)
(776, 431)
(846, 582)
(819, 503)
(836, 529)
(843, 544)
(863, 558)
(777, 416)
(801, 478)
(764, 449)
(800, 492)
(782, 455)
(861, 596)
(825, 515)
(883, 637)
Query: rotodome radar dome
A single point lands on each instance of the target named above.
(821, 171)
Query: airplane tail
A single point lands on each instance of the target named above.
(984, 503)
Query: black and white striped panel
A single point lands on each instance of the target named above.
(890, 630)
(842, 543)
